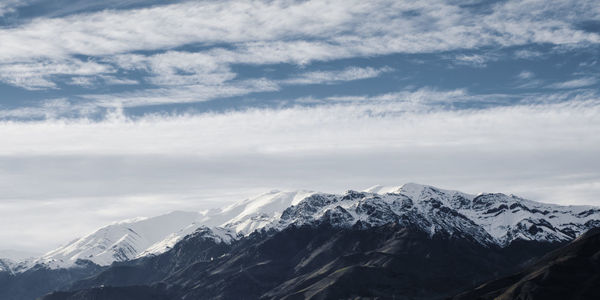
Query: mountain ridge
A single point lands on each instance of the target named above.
(285, 240)
(492, 218)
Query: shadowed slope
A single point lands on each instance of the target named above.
(571, 272)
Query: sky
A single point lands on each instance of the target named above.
(117, 109)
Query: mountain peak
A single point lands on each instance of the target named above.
(382, 189)
(119, 241)
(407, 188)
(413, 190)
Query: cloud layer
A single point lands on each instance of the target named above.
(37, 54)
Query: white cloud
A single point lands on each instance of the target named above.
(525, 75)
(9, 6)
(175, 68)
(97, 80)
(265, 131)
(50, 109)
(82, 81)
(182, 94)
(195, 77)
(575, 83)
(112, 80)
(473, 60)
(178, 24)
(527, 80)
(296, 32)
(330, 77)
(416, 101)
(528, 54)
(37, 74)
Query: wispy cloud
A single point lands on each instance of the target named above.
(473, 60)
(299, 32)
(527, 80)
(525, 75)
(368, 117)
(50, 109)
(112, 80)
(330, 77)
(528, 54)
(8, 6)
(98, 80)
(575, 83)
(182, 94)
(194, 77)
(38, 74)
(175, 68)
(82, 81)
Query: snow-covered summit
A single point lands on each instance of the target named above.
(138, 237)
(15, 260)
(490, 219)
(6, 265)
(119, 241)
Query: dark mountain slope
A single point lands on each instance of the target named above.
(571, 272)
(322, 262)
(113, 293)
(38, 280)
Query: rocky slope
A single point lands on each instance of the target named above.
(572, 272)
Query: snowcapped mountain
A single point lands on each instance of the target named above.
(6, 265)
(506, 217)
(139, 237)
(120, 241)
(13, 260)
(488, 219)
(12, 266)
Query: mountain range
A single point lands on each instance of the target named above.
(407, 242)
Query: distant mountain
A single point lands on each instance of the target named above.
(17, 255)
(118, 242)
(6, 265)
(130, 239)
(375, 233)
(14, 261)
(39, 280)
(488, 218)
(572, 272)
